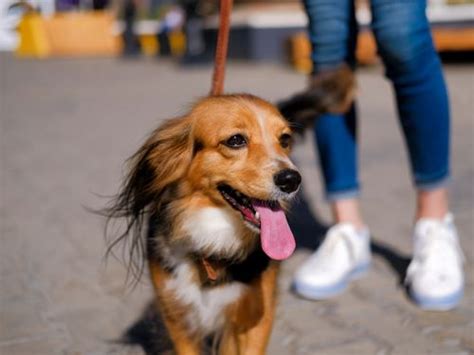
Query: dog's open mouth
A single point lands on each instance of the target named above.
(265, 217)
(241, 203)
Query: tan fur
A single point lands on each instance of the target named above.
(251, 318)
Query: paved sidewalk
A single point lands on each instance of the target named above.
(66, 127)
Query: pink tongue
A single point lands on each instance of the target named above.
(275, 234)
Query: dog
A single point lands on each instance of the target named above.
(205, 204)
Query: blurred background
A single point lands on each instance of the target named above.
(263, 30)
(82, 82)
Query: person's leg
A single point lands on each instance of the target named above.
(435, 277)
(405, 45)
(345, 251)
(432, 203)
(348, 211)
(333, 33)
(337, 147)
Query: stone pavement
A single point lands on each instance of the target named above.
(66, 128)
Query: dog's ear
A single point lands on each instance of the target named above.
(160, 162)
(331, 91)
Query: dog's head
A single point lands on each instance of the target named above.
(241, 147)
(224, 166)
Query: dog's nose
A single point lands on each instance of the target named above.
(287, 180)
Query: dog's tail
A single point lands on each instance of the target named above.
(331, 91)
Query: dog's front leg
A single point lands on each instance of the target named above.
(182, 342)
(173, 315)
(250, 320)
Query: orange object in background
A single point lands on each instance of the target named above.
(444, 38)
(70, 34)
(150, 46)
(366, 51)
(33, 37)
(300, 53)
(454, 39)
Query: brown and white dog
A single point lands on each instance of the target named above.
(209, 188)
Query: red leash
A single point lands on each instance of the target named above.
(221, 48)
(217, 87)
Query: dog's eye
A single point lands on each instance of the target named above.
(236, 141)
(285, 140)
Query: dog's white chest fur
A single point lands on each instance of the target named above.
(214, 230)
(206, 305)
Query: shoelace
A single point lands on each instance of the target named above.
(438, 244)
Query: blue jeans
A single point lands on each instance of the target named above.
(405, 45)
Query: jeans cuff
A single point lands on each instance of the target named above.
(342, 195)
(433, 185)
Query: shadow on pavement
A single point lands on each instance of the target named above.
(398, 262)
(307, 228)
(149, 332)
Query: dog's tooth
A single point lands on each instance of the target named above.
(257, 215)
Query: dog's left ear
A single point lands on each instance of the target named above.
(169, 151)
(161, 161)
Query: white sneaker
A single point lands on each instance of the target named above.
(343, 256)
(435, 275)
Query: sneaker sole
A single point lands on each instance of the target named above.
(322, 293)
(437, 304)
